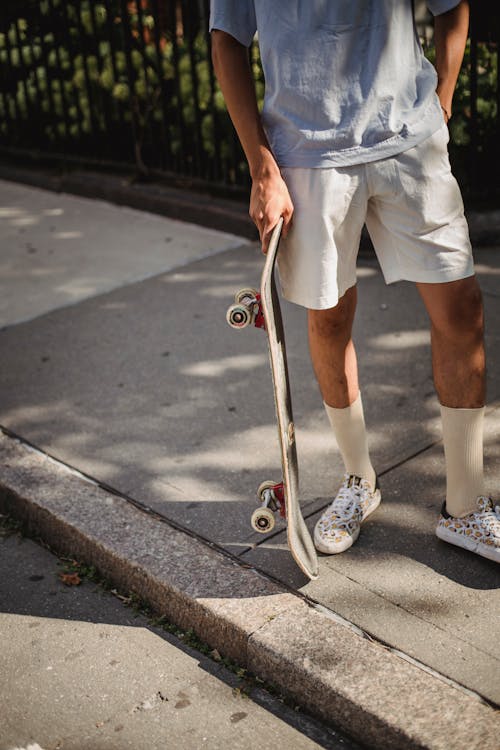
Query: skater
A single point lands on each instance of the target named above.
(354, 131)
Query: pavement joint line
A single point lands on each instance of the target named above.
(368, 691)
(409, 457)
(342, 621)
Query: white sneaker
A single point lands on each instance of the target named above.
(338, 528)
(477, 532)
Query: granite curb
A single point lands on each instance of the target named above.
(371, 693)
(187, 204)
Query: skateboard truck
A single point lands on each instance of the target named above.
(246, 310)
(272, 499)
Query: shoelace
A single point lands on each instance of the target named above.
(346, 498)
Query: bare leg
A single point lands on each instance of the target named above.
(458, 362)
(332, 351)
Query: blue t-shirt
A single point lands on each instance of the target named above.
(346, 81)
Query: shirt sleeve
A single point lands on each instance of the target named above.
(437, 7)
(235, 17)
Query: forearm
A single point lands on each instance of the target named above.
(450, 36)
(232, 68)
(269, 197)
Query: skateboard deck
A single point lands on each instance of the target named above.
(263, 310)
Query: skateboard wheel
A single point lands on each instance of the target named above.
(238, 316)
(245, 294)
(267, 485)
(263, 520)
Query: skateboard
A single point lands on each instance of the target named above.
(263, 310)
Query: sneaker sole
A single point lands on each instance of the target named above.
(338, 548)
(459, 540)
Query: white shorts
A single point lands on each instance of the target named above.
(413, 211)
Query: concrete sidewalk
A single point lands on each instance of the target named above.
(70, 678)
(121, 366)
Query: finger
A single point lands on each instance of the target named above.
(266, 238)
(260, 226)
(287, 222)
(257, 217)
(267, 231)
(265, 243)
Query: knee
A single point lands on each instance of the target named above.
(334, 322)
(462, 318)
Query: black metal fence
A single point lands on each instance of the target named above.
(131, 81)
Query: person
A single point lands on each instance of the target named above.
(353, 130)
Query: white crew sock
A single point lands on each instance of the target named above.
(350, 432)
(463, 450)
